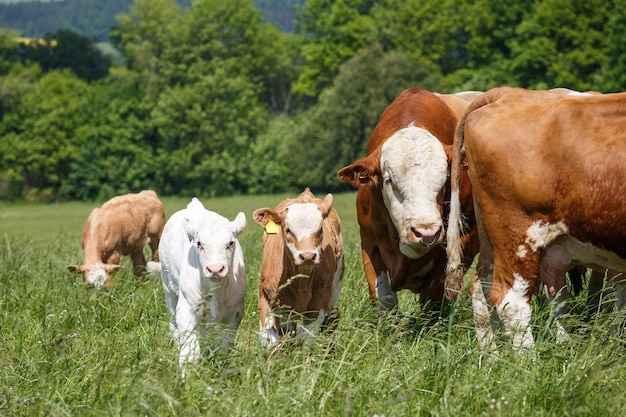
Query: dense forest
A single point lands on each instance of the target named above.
(212, 99)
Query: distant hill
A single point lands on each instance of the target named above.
(94, 18)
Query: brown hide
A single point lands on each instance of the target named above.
(122, 226)
(438, 114)
(549, 158)
(289, 290)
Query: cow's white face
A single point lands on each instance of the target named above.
(215, 239)
(99, 275)
(302, 228)
(414, 168)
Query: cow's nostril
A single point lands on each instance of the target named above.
(308, 256)
(427, 235)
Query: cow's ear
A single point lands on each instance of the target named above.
(326, 205)
(361, 172)
(239, 223)
(190, 227)
(264, 215)
(112, 268)
(74, 268)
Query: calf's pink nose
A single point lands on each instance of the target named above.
(308, 257)
(215, 270)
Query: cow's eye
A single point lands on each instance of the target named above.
(389, 182)
(288, 232)
(230, 244)
(199, 245)
(319, 233)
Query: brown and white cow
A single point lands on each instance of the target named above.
(549, 179)
(302, 268)
(403, 189)
(121, 226)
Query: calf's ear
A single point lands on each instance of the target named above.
(112, 269)
(263, 215)
(239, 223)
(74, 268)
(190, 227)
(326, 205)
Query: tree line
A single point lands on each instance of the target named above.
(94, 18)
(211, 99)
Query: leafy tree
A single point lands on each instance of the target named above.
(562, 44)
(67, 49)
(143, 35)
(612, 76)
(336, 131)
(205, 130)
(335, 31)
(37, 145)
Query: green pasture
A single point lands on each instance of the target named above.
(68, 350)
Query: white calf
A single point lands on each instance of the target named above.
(203, 276)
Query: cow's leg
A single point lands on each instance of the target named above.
(514, 309)
(553, 265)
(484, 315)
(312, 328)
(154, 247)
(268, 322)
(620, 291)
(384, 297)
(595, 292)
(187, 319)
(139, 262)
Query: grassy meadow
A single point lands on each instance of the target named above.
(69, 350)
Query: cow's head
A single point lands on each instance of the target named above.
(99, 275)
(410, 169)
(300, 225)
(214, 237)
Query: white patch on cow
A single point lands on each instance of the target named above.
(97, 277)
(482, 316)
(414, 169)
(515, 313)
(540, 234)
(522, 251)
(268, 336)
(303, 221)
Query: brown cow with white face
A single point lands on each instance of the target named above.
(302, 268)
(403, 190)
(549, 179)
(121, 226)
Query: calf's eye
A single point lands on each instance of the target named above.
(230, 244)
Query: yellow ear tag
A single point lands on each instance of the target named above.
(271, 228)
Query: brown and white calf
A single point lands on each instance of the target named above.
(302, 268)
(121, 226)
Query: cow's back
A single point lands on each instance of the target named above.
(567, 161)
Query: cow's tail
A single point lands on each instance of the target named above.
(454, 251)
(154, 269)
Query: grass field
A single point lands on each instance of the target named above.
(68, 350)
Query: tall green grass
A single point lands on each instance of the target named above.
(68, 350)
